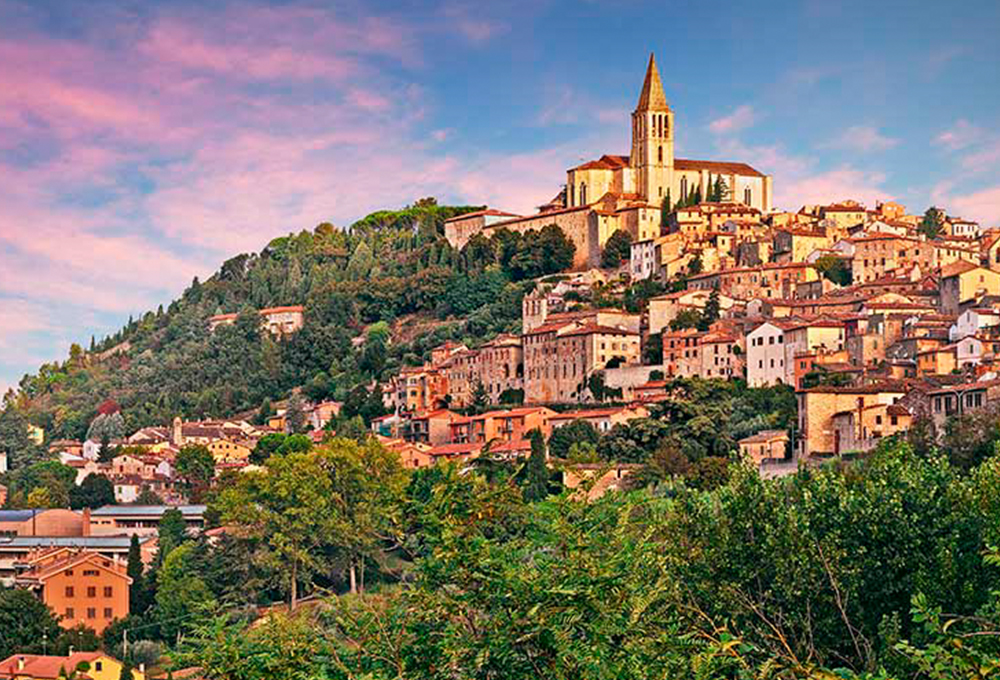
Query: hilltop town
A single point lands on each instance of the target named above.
(431, 395)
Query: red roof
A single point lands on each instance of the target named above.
(38, 666)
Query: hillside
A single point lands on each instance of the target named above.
(390, 265)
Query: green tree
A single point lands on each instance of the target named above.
(79, 638)
(171, 532)
(536, 473)
(576, 431)
(25, 623)
(836, 269)
(695, 266)
(267, 445)
(710, 314)
(196, 466)
(181, 593)
(94, 491)
(665, 209)
(135, 570)
(932, 223)
(295, 416)
(617, 249)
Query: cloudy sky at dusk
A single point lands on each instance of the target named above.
(143, 143)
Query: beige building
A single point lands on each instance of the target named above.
(963, 284)
(836, 420)
(559, 358)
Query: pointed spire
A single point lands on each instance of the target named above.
(652, 97)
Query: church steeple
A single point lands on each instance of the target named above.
(652, 156)
(652, 97)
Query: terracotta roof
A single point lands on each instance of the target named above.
(590, 329)
(276, 310)
(718, 167)
(481, 213)
(956, 268)
(764, 436)
(38, 666)
(605, 162)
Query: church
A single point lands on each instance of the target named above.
(625, 192)
(650, 171)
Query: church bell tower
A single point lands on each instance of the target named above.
(652, 157)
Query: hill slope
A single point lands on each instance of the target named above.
(390, 264)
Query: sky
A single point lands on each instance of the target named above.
(143, 143)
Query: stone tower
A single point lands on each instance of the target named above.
(652, 156)
(178, 434)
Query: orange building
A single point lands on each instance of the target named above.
(82, 587)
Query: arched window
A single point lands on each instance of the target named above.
(747, 196)
(660, 154)
(572, 195)
(583, 193)
(684, 188)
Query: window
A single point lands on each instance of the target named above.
(684, 194)
(107, 591)
(747, 196)
(91, 591)
(107, 613)
(91, 613)
(69, 591)
(659, 155)
(583, 193)
(98, 665)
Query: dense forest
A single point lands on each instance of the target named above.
(354, 282)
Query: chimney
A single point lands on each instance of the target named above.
(20, 663)
(86, 522)
(142, 668)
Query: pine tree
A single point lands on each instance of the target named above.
(536, 479)
(665, 210)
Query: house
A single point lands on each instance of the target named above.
(18, 550)
(82, 587)
(836, 420)
(501, 426)
(765, 445)
(765, 350)
(663, 309)
(412, 455)
(972, 321)
(952, 400)
(603, 419)
(560, 357)
(97, 665)
(432, 427)
(277, 321)
(963, 284)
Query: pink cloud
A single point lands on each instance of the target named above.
(982, 206)
(831, 186)
(960, 135)
(862, 139)
(743, 117)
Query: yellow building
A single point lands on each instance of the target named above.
(227, 451)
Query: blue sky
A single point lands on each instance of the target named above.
(143, 143)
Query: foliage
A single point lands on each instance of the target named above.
(171, 532)
(573, 432)
(25, 623)
(617, 249)
(536, 473)
(195, 465)
(932, 223)
(836, 269)
(94, 491)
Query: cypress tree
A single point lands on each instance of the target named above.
(134, 571)
(536, 480)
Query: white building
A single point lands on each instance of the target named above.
(971, 321)
(766, 355)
